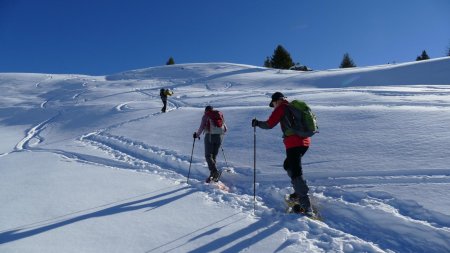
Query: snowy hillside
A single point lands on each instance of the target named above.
(90, 164)
(433, 71)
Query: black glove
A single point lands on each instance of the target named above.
(255, 123)
(196, 136)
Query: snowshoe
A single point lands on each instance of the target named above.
(213, 180)
(292, 200)
(214, 176)
(294, 206)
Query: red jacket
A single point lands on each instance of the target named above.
(277, 117)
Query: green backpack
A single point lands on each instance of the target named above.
(301, 121)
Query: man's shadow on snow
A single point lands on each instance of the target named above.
(255, 232)
(262, 230)
(150, 202)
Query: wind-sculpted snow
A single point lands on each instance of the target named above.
(82, 154)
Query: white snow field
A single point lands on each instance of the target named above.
(90, 164)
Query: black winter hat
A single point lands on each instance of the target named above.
(275, 96)
(208, 108)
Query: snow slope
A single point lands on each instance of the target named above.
(90, 164)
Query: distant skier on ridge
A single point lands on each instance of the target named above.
(164, 93)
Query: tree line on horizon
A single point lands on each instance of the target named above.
(281, 59)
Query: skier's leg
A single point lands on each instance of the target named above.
(216, 142)
(164, 106)
(293, 167)
(211, 151)
(208, 152)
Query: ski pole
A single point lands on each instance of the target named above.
(223, 152)
(190, 163)
(254, 168)
(225, 158)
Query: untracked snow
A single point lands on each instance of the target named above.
(90, 164)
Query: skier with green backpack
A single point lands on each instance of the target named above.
(298, 124)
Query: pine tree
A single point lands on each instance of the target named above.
(448, 53)
(281, 59)
(347, 62)
(170, 61)
(267, 63)
(422, 57)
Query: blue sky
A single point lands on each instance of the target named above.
(99, 37)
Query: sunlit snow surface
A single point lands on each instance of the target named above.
(90, 164)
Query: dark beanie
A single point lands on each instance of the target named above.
(275, 96)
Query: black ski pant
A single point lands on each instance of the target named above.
(212, 145)
(293, 166)
(164, 105)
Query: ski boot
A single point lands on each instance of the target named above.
(299, 205)
(213, 176)
(292, 199)
(301, 209)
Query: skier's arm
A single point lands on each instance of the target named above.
(202, 125)
(273, 120)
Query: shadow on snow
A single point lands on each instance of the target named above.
(152, 202)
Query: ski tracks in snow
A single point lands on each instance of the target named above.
(152, 159)
(391, 223)
(349, 215)
(169, 164)
(357, 204)
(33, 135)
(141, 156)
